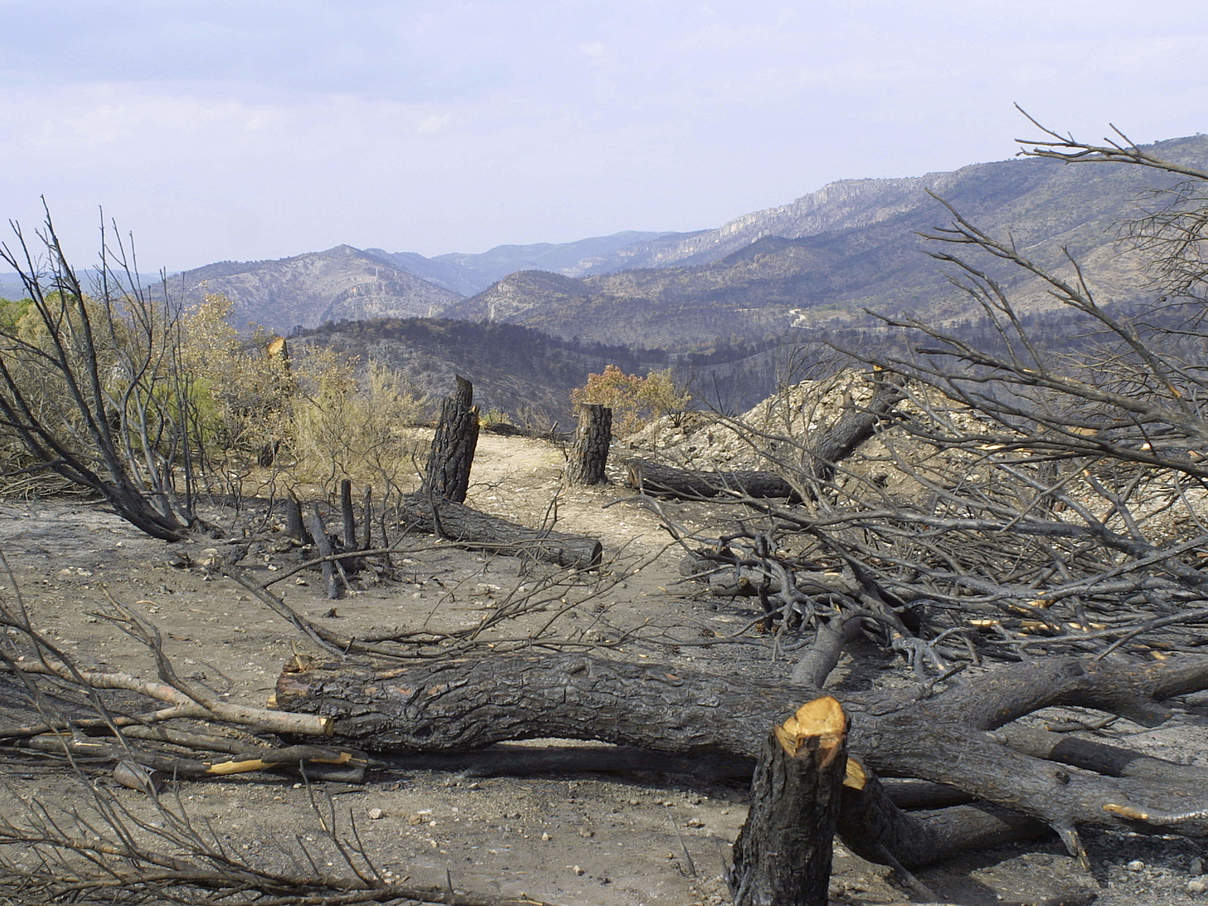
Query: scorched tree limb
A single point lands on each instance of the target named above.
(460, 705)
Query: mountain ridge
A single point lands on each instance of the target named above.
(852, 246)
(340, 283)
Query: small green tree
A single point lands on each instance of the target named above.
(635, 401)
(239, 391)
(350, 425)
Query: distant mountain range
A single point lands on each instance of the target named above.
(340, 284)
(852, 246)
(467, 274)
(821, 260)
(528, 374)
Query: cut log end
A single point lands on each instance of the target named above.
(783, 853)
(818, 725)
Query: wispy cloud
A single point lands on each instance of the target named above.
(233, 129)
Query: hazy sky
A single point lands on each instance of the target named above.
(243, 130)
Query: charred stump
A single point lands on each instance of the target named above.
(782, 856)
(347, 515)
(294, 527)
(448, 472)
(589, 452)
(331, 578)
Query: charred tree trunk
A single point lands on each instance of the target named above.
(856, 425)
(331, 579)
(474, 529)
(347, 515)
(294, 526)
(665, 481)
(589, 452)
(456, 705)
(367, 520)
(782, 856)
(448, 472)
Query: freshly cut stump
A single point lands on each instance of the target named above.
(782, 856)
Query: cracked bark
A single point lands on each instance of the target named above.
(461, 705)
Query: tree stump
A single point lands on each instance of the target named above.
(294, 527)
(589, 452)
(782, 856)
(331, 580)
(347, 515)
(448, 472)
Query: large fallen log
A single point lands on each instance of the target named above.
(474, 529)
(666, 481)
(458, 705)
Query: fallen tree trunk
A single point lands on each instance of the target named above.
(665, 481)
(457, 705)
(472, 528)
(856, 425)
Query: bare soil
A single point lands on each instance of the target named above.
(574, 838)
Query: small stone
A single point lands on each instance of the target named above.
(1135, 865)
(694, 822)
(375, 814)
(1197, 885)
(1197, 865)
(416, 820)
(545, 836)
(576, 869)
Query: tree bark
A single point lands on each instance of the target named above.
(474, 529)
(782, 856)
(347, 515)
(589, 452)
(456, 705)
(448, 471)
(294, 527)
(666, 481)
(367, 520)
